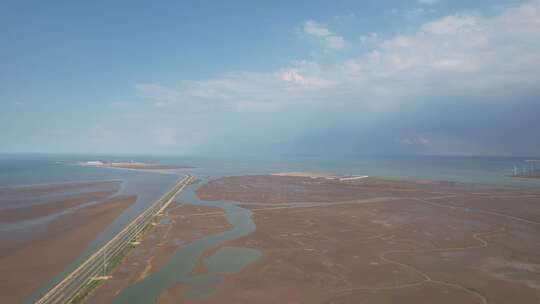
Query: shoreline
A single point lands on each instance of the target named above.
(129, 165)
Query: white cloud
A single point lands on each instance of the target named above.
(244, 91)
(369, 39)
(468, 54)
(319, 31)
(428, 2)
(412, 13)
(292, 76)
(452, 25)
(151, 91)
(415, 141)
(316, 29)
(335, 42)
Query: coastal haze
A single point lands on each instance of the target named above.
(247, 152)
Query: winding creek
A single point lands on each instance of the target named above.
(180, 268)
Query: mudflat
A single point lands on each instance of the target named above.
(277, 189)
(31, 263)
(40, 210)
(14, 194)
(381, 241)
(28, 212)
(180, 225)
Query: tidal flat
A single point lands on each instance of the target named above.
(44, 228)
(314, 239)
(378, 240)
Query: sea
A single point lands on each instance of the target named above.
(16, 170)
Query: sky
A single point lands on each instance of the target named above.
(224, 78)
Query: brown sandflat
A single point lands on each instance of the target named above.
(292, 189)
(22, 205)
(187, 223)
(32, 265)
(30, 212)
(18, 192)
(438, 243)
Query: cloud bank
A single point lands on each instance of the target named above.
(474, 59)
(464, 54)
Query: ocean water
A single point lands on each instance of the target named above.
(482, 170)
(34, 169)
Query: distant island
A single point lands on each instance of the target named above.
(131, 165)
(322, 175)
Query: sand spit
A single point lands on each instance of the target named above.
(180, 225)
(322, 175)
(272, 189)
(305, 174)
(34, 263)
(429, 242)
(132, 165)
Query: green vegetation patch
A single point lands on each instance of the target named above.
(113, 262)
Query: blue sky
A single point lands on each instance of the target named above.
(270, 77)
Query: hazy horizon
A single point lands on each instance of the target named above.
(413, 77)
(282, 151)
(164, 156)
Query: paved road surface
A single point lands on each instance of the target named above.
(93, 266)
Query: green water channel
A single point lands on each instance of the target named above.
(179, 269)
